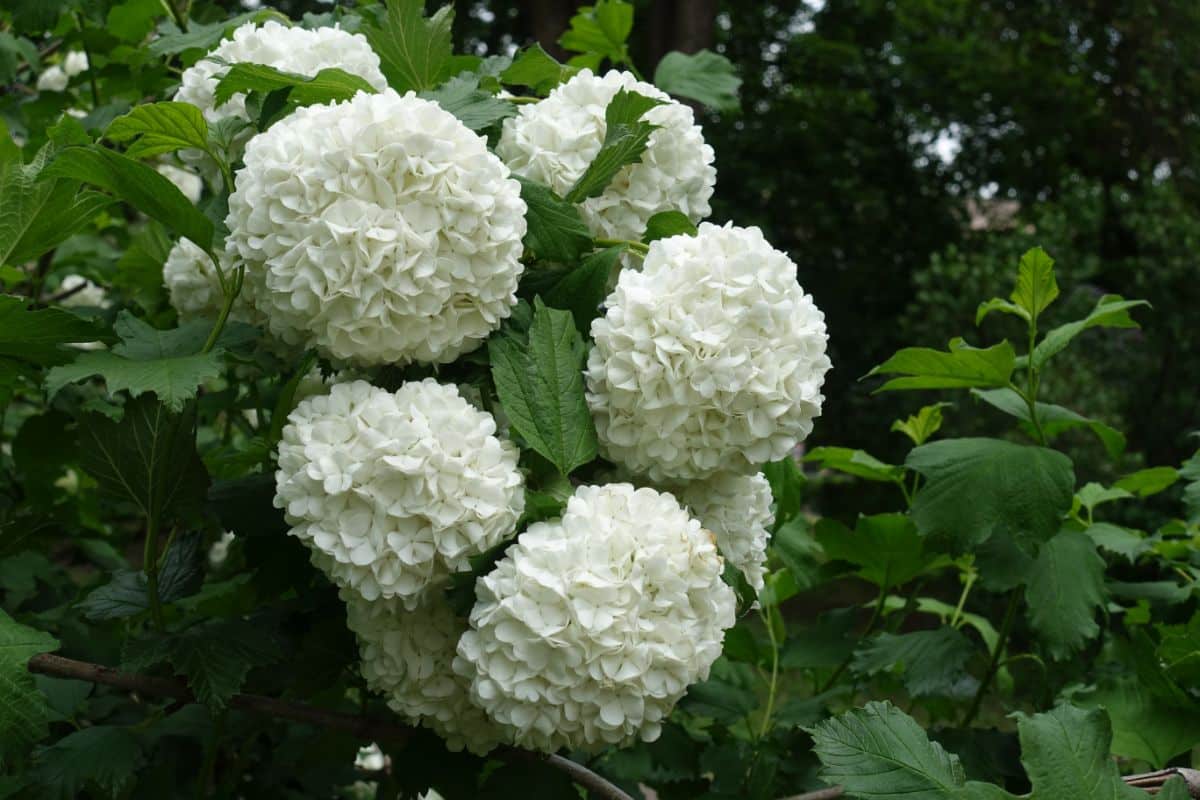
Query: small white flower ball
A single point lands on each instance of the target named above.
(407, 656)
(553, 142)
(393, 491)
(379, 230)
(592, 626)
(186, 181)
(711, 358)
(53, 79)
(191, 280)
(89, 296)
(75, 63)
(737, 509)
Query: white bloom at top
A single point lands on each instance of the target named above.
(379, 230)
(553, 142)
(393, 491)
(407, 656)
(592, 626)
(75, 63)
(711, 358)
(186, 181)
(737, 509)
(53, 79)
(89, 296)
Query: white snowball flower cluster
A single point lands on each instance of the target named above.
(191, 280)
(379, 230)
(592, 626)
(407, 657)
(393, 491)
(737, 509)
(711, 358)
(553, 142)
(56, 78)
(186, 181)
(82, 293)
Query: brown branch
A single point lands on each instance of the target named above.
(366, 728)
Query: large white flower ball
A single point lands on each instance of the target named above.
(592, 626)
(407, 656)
(553, 142)
(393, 491)
(737, 509)
(379, 230)
(711, 358)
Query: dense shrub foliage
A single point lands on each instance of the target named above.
(381, 421)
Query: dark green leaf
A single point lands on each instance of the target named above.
(855, 462)
(536, 68)
(414, 51)
(1066, 754)
(886, 547)
(217, 655)
(38, 336)
(600, 31)
(933, 662)
(668, 223)
(157, 128)
(962, 366)
(1111, 311)
(582, 290)
(23, 709)
(328, 85)
(1054, 419)
(1115, 539)
(625, 137)
(201, 36)
(703, 76)
(1065, 589)
(463, 98)
(787, 488)
(556, 232)
(103, 757)
(1144, 726)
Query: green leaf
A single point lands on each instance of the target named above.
(217, 655)
(1115, 539)
(463, 98)
(127, 593)
(1145, 727)
(328, 85)
(414, 51)
(795, 547)
(921, 426)
(975, 487)
(132, 20)
(1146, 482)
(537, 69)
(102, 757)
(600, 31)
(167, 363)
(855, 462)
(202, 36)
(1054, 419)
(157, 128)
(1036, 286)
(1093, 495)
(886, 547)
(668, 223)
(933, 662)
(962, 366)
(541, 388)
(878, 751)
(787, 488)
(582, 290)
(137, 184)
(1111, 311)
(720, 701)
(625, 137)
(556, 231)
(1065, 589)
(703, 76)
(38, 336)
(148, 458)
(1003, 306)
(1066, 754)
(23, 710)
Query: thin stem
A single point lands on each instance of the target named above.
(520, 100)
(210, 756)
(962, 598)
(1010, 614)
(179, 12)
(150, 567)
(875, 617)
(230, 296)
(772, 686)
(1033, 381)
(637, 247)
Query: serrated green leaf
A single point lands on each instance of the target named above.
(960, 367)
(886, 547)
(157, 128)
(172, 40)
(1003, 306)
(582, 290)
(1115, 539)
(1054, 419)
(1036, 287)
(103, 757)
(556, 231)
(975, 487)
(921, 426)
(216, 656)
(1145, 727)
(1065, 589)
(1093, 495)
(414, 51)
(328, 85)
(625, 138)
(463, 98)
(1066, 754)
(23, 710)
(1149, 481)
(878, 751)
(600, 31)
(855, 462)
(703, 76)
(126, 594)
(668, 223)
(537, 69)
(933, 662)
(1111, 311)
(37, 336)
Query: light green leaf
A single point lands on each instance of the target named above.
(625, 138)
(878, 751)
(157, 128)
(1036, 286)
(132, 20)
(668, 223)
(1054, 419)
(1003, 306)
(1111, 311)
(1093, 495)
(414, 51)
(886, 548)
(463, 98)
(38, 336)
(600, 31)
(23, 711)
(555, 232)
(541, 388)
(921, 426)
(103, 757)
(962, 366)
(933, 662)
(1146, 482)
(1115, 539)
(703, 76)
(855, 462)
(328, 85)
(582, 290)
(975, 487)
(1065, 589)
(1066, 754)
(537, 69)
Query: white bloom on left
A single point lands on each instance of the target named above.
(53, 79)
(554, 141)
(393, 491)
(592, 626)
(379, 230)
(186, 181)
(194, 289)
(406, 656)
(737, 509)
(89, 296)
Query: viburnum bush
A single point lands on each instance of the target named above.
(385, 422)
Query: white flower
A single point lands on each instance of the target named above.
(711, 358)
(393, 491)
(89, 296)
(591, 627)
(193, 287)
(219, 551)
(407, 655)
(298, 50)
(75, 63)
(370, 758)
(53, 79)
(380, 230)
(185, 181)
(737, 509)
(553, 142)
